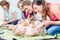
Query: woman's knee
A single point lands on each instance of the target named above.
(53, 30)
(50, 32)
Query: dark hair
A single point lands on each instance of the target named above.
(45, 8)
(39, 2)
(5, 3)
(0, 3)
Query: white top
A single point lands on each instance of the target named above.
(38, 16)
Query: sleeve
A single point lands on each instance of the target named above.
(56, 10)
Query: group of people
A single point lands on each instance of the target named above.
(32, 18)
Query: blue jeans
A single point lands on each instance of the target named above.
(14, 22)
(53, 29)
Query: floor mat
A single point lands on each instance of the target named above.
(8, 35)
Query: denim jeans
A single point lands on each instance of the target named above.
(53, 29)
(14, 22)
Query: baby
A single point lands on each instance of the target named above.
(27, 27)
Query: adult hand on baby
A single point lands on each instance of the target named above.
(46, 23)
(21, 21)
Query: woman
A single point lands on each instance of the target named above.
(40, 13)
(39, 10)
(28, 10)
(19, 10)
(10, 15)
(19, 5)
(53, 13)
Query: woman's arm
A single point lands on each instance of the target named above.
(4, 17)
(13, 17)
(46, 23)
(55, 22)
(55, 9)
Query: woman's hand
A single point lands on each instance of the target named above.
(5, 23)
(46, 23)
(21, 21)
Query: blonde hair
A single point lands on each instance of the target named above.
(29, 3)
(26, 3)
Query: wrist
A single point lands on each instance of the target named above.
(51, 22)
(7, 22)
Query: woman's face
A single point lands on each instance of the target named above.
(28, 8)
(5, 7)
(37, 8)
(20, 6)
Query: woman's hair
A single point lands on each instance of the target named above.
(45, 8)
(0, 3)
(5, 3)
(29, 3)
(26, 3)
(20, 1)
(39, 2)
